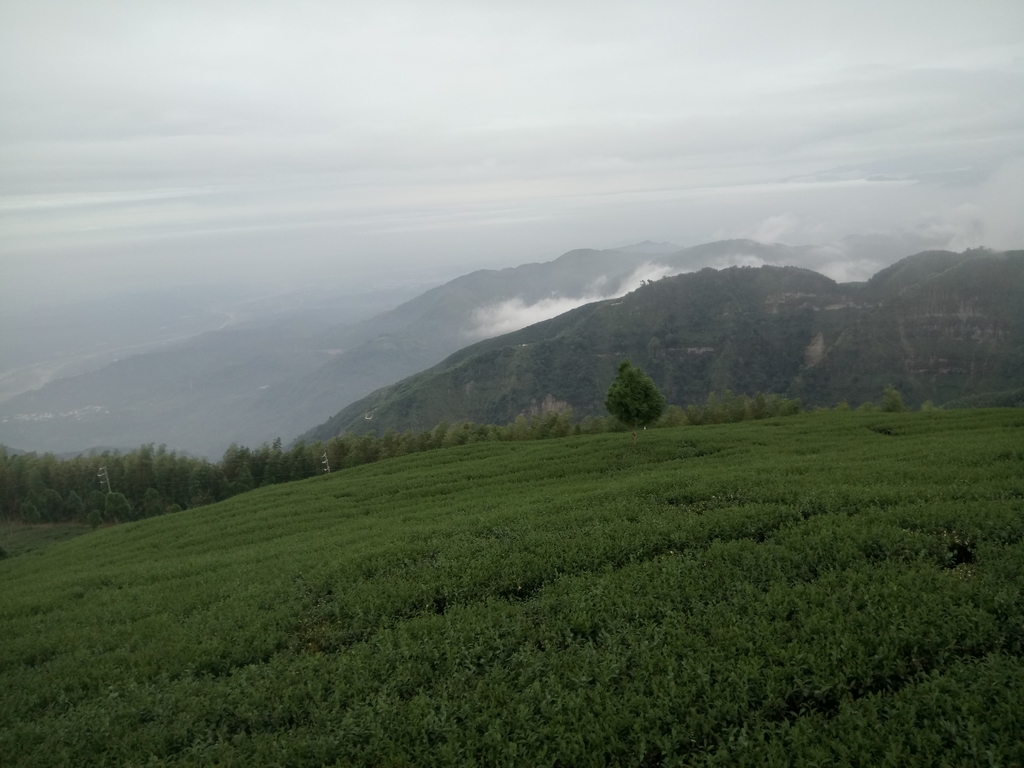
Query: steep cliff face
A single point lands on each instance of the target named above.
(957, 331)
(937, 325)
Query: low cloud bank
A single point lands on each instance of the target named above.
(846, 259)
(513, 314)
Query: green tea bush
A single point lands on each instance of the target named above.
(832, 588)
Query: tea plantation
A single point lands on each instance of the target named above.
(837, 588)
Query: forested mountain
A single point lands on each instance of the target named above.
(250, 385)
(486, 303)
(938, 325)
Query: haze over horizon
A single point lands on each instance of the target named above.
(181, 143)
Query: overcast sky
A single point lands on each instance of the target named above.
(167, 142)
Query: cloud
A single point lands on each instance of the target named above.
(333, 136)
(1001, 208)
(513, 314)
(646, 272)
(955, 228)
(775, 228)
(740, 260)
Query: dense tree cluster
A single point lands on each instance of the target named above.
(729, 408)
(153, 481)
(142, 483)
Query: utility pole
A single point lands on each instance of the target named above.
(326, 463)
(104, 478)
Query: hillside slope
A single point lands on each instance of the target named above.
(831, 588)
(938, 325)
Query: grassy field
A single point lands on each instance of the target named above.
(21, 539)
(833, 588)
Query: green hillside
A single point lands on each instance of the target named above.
(830, 588)
(938, 325)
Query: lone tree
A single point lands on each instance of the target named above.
(633, 399)
(892, 401)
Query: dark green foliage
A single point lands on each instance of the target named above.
(97, 500)
(1013, 398)
(892, 401)
(730, 408)
(29, 513)
(23, 538)
(152, 504)
(633, 398)
(74, 507)
(50, 505)
(830, 589)
(37, 488)
(117, 509)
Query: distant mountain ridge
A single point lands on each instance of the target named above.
(938, 325)
(423, 331)
(649, 246)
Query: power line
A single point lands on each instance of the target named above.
(104, 477)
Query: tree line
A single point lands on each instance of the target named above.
(113, 487)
